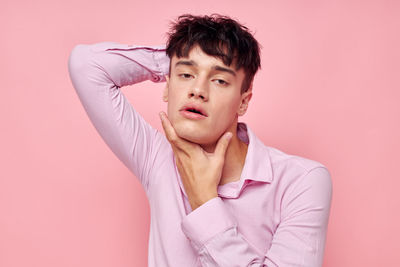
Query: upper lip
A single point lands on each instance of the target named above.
(194, 107)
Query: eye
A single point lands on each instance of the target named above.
(185, 75)
(221, 82)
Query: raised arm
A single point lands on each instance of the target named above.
(97, 72)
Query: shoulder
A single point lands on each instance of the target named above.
(303, 185)
(285, 170)
(298, 173)
(302, 164)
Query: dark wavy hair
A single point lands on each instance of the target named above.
(218, 36)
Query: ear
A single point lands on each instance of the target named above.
(245, 99)
(165, 92)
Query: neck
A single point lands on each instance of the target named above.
(235, 157)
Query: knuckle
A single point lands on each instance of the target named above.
(174, 140)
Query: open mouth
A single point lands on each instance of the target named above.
(194, 111)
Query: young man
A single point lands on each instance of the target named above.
(218, 195)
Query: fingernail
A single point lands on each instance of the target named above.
(161, 115)
(229, 135)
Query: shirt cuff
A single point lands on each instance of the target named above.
(207, 221)
(162, 60)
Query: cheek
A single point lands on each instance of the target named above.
(175, 92)
(225, 113)
(229, 107)
(173, 105)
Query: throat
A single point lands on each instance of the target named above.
(235, 158)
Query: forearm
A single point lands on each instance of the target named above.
(123, 64)
(213, 232)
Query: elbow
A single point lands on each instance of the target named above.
(76, 60)
(79, 66)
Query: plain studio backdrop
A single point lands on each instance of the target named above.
(328, 90)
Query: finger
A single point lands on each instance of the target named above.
(170, 133)
(168, 129)
(223, 144)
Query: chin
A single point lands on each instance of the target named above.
(194, 134)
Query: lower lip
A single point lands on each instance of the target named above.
(192, 115)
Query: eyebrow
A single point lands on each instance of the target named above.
(225, 70)
(186, 63)
(216, 67)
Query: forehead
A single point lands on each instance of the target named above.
(197, 58)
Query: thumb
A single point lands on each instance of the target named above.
(223, 144)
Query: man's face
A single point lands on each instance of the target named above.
(203, 96)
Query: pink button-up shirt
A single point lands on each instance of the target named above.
(275, 215)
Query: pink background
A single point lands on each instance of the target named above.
(328, 90)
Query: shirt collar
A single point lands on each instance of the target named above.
(257, 166)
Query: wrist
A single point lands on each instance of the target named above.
(195, 203)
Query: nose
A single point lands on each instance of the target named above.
(199, 89)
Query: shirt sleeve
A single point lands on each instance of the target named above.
(97, 72)
(299, 239)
